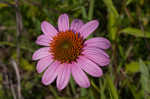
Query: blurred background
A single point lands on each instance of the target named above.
(126, 23)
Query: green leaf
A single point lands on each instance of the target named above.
(111, 7)
(5, 4)
(72, 85)
(83, 92)
(91, 10)
(112, 17)
(95, 86)
(84, 13)
(26, 65)
(112, 87)
(136, 94)
(54, 92)
(135, 32)
(145, 76)
(102, 89)
(132, 67)
(112, 27)
(128, 2)
(91, 94)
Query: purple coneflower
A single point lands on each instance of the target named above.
(68, 52)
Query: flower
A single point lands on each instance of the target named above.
(67, 52)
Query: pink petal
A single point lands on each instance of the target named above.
(97, 55)
(79, 76)
(63, 76)
(48, 29)
(76, 25)
(98, 42)
(43, 40)
(44, 63)
(63, 22)
(88, 28)
(51, 73)
(41, 53)
(96, 51)
(89, 67)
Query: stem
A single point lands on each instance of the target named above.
(15, 66)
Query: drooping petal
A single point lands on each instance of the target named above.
(63, 22)
(88, 28)
(51, 73)
(79, 76)
(89, 67)
(98, 42)
(44, 63)
(63, 76)
(43, 40)
(48, 29)
(41, 53)
(97, 55)
(76, 25)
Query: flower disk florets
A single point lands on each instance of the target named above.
(66, 46)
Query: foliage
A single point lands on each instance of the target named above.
(126, 23)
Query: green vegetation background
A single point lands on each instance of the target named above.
(126, 23)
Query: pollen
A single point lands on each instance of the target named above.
(66, 46)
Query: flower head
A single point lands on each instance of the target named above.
(66, 52)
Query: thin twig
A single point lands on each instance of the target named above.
(15, 66)
(19, 29)
(13, 90)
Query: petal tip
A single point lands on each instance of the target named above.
(60, 88)
(43, 23)
(63, 22)
(45, 82)
(37, 41)
(96, 22)
(87, 85)
(33, 57)
(64, 14)
(100, 74)
(89, 28)
(38, 69)
(106, 63)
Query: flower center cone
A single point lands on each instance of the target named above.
(66, 46)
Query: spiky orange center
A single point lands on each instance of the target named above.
(66, 46)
